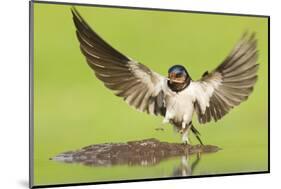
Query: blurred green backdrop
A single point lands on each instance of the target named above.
(73, 109)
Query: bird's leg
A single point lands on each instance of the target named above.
(183, 126)
(184, 131)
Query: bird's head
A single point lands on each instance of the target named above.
(178, 78)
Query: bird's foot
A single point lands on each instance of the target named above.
(185, 141)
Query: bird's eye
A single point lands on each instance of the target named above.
(173, 75)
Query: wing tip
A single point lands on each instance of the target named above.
(250, 38)
(248, 35)
(77, 16)
(74, 12)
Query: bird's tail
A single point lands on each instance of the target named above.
(196, 133)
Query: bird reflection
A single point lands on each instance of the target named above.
(185, 168)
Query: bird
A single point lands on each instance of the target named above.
(176, 97)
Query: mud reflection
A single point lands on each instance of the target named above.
(137, 153)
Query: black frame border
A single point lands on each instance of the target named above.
(31, 94)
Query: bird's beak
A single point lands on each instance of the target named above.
(175, 80)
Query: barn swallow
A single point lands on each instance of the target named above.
(175, 97)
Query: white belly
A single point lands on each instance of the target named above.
(179, 107)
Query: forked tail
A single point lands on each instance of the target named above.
(196, 133)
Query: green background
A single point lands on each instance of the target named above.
(73, 109)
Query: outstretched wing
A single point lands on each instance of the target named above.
(229, 84)
(134, 82)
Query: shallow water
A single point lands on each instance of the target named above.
(232, 158)
(187, 165)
